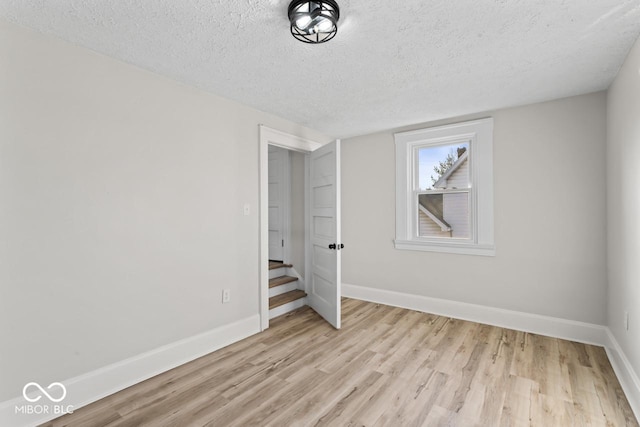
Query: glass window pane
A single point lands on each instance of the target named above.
(443, 166)
(444, 215)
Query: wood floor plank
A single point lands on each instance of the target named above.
(308, 410)
(305, 380)
(348, 401)
(386, 367)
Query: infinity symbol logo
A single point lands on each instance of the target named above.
(44, 392)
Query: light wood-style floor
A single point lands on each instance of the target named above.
(386, 367)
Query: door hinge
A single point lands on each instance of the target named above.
(283, 243)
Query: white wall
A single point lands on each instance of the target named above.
(623, 206)
(549, 161)
(121, 220)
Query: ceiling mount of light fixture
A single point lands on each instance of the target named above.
(314, 21)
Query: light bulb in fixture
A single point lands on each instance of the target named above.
(303, 22)
(324, 25)
(314, 21)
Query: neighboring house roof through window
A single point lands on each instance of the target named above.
(442, 182)
(434, 206)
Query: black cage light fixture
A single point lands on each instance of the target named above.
(314, 21)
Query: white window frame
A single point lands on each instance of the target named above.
(480, 135)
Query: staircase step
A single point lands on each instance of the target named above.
(287, 287)
(287, 308)
(285, 298)
(277, 281)
(274, 265)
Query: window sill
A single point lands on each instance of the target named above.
(464, 249)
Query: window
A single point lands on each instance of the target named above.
(444, 193)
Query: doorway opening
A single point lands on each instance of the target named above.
(286, 192)
(321, 232)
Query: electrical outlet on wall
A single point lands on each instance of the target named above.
(226, 295)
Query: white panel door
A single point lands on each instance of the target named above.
(323, 285)
(278, 158)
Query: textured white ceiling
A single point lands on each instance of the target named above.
(391, 64)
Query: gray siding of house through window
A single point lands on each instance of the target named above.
(429, 228)
(456, 214)
(451, 208)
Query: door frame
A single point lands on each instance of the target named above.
(269, 136)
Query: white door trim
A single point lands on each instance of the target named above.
(269, 136)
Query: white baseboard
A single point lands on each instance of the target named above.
(587, 333)
(87, 388)
(628, 378)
